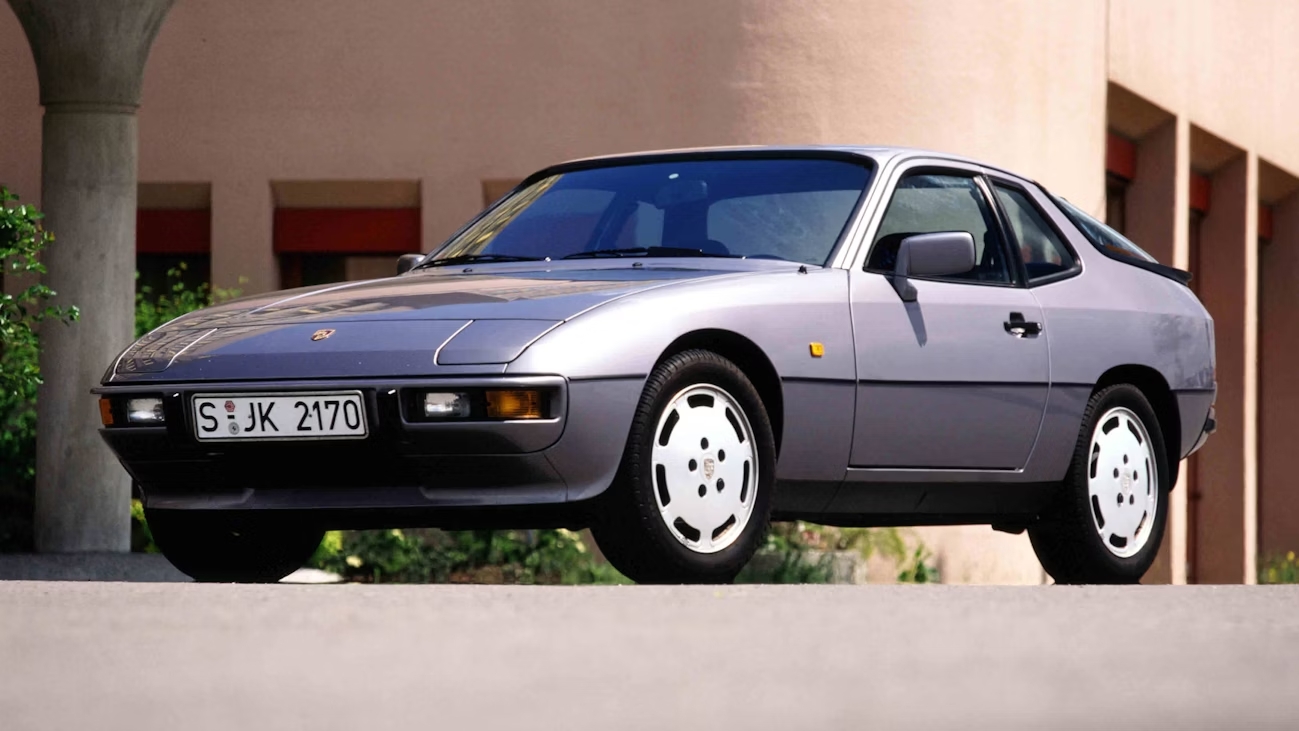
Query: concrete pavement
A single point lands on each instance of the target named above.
(187, 656)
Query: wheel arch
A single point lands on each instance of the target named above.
(1154, 387)
(750, 358)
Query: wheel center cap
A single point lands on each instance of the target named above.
(710, 467)
(1127, 482)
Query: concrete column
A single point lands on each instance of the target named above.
(1227, 530)
(1279, 408)
(1157, 200)
(90, 57)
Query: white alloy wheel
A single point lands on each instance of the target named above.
(1122, 482)
(705, 468)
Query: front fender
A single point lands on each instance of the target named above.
(612, 350)
(781, 312)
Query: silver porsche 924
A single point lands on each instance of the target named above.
(676, 349)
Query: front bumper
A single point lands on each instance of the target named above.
(400, 464)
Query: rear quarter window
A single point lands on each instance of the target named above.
(1101, 236)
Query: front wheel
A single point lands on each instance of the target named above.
(232, 548)
(1108, 519)
(692, 500)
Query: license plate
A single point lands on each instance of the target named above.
(266, 416)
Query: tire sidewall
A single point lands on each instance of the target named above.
(681, 372)
(1133, 567)
(224, 548)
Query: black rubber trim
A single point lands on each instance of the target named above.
(971, 384)
(1180, 276)
(814, 379)
(1071, 272)
(620, 377)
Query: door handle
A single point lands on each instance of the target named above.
(1019, 327)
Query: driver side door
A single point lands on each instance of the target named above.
(957, 379)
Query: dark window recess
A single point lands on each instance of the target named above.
(1040, 247)
(160, 273)
(305, 270)
(1116, 202)
(930, 203)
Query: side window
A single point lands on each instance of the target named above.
(932, 203)
(1040, 246)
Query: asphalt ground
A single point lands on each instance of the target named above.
(86, 655)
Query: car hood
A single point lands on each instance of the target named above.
(418, 324)
(439, 294)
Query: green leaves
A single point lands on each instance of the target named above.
(22, 238)
(478, 556)
(153, 309)
(1279, 569)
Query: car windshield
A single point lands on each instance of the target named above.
(793, 209)
(1102, 237)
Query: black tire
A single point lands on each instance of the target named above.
(628, 527)
(220, 547)
(1067, 541)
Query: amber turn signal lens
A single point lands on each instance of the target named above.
(514, 405)
(106, 411)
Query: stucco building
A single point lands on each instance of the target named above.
(304, 141)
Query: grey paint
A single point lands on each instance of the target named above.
(941, 381)
(818, 431)
(90, 57)
(935, 391)
(936, 255)
(1193, 406)
(600, 414)
(381, 348)
(491, 341)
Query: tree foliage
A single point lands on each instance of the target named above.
(22, 238)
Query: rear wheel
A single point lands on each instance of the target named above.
(1108, 520)
(232, 548)
(692, 500)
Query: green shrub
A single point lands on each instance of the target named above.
(795, 566)
(795, 542)
(916, 568)
(1279, 570)
(22, 238)
(481, 556)
(153, 309)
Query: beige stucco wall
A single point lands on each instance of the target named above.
(1228, 66)
(448, 94)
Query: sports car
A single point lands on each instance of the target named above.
(677, 348)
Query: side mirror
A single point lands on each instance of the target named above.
(407, 262)
(931, 255)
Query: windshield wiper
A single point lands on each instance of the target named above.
(641, 251)
(475, 259)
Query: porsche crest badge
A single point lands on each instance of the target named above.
(321, 334)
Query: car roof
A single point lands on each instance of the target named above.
(879, 153)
